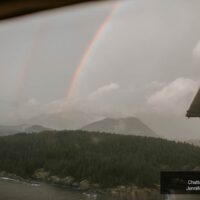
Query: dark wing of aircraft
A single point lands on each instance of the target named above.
(194, 110)
(14, 8)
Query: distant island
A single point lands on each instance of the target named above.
(94, 160)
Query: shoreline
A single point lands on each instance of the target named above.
(83, 186)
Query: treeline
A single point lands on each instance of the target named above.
(103, 158)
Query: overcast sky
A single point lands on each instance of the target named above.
(145, 63)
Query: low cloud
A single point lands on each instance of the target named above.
(103, 91)
(33, 107)
(156, 85)
(175, 97)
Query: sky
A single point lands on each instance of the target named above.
(144, 61)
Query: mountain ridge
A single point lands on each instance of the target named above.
(124, 126)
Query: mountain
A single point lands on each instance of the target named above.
(36, 129)
(125, 126)
(10, 130)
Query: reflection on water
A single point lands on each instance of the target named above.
(16, 190)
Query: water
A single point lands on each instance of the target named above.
(15, 190)
(11, 189)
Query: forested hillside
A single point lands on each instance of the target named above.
(107, 159)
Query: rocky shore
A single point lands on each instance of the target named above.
(85, 185)
(10, 176)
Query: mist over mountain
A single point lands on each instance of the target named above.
(10, 130)
(63, 120)
(125, 126)
(193, 142)
(36, 129)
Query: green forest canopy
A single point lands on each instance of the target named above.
(107, 159)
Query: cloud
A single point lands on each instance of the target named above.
(155, 85)
(196, 52)
(33, 107)
(103, 90)
(175, 97)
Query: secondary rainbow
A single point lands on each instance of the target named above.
(37, 39)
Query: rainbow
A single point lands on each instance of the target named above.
(39, 36)
(86, 53)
